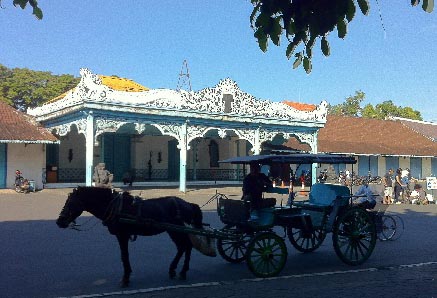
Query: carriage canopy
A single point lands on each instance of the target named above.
(298, 158)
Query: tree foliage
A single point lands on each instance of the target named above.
(352, 107)
(23, 88)
(36, 10)
(305, 23)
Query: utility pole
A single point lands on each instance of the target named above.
(184, 81)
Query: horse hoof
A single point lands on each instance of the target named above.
(124, 283)
(172, 274)
(182, 276)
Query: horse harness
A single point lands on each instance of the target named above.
(116, 211)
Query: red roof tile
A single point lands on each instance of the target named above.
(16, 126)
(427, 129)
(369, 137)
(300, 106)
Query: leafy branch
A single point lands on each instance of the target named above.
(304, 22)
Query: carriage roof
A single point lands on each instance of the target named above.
(297, 158)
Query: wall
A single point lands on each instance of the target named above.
(381, 166)
(30, 159)
(75, 142)
(426, 167)
(404, 162)
(141, 148)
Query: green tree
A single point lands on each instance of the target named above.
(369, 111)
(389, 109)
(351, 107)
(23, 88)
(304, 23)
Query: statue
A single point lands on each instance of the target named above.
(102, 177)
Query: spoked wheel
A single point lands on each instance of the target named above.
(266, 254)
(306, 241)
(399, 229)
(233, 251)
(354, 236)
(387, 228)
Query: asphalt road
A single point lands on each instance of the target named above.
(40, 260)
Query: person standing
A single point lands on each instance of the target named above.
(388, 187)
(399, 186)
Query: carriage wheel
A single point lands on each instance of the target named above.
(266, 254)
(306, 241)
(354, 236)
(233, 251)
(399, 229)
(388, 228)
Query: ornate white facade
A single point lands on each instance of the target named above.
(95, 109)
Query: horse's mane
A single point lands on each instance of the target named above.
(99, 194)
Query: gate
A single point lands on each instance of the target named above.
(116, 154)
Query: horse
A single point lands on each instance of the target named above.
(106, 204)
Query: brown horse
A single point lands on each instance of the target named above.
(108, 205)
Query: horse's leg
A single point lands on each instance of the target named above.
(184, 245)
(123, 241)
(186, 267)
(176, 237)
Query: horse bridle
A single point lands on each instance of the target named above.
(70, 214)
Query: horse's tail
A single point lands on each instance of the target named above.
(197, 216)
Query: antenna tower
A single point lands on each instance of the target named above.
(184, 81)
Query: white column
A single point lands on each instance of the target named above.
(314, 165)
(183, 158)
(89, 144)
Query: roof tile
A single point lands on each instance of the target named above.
(17, 126)
(370, 137)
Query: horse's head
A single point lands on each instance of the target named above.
(72, 209)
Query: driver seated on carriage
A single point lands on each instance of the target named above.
(254, 184)
(364, 196)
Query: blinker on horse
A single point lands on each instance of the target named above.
(107, 205)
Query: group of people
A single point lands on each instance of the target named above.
(399, 186)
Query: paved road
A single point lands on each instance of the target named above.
(40, 260)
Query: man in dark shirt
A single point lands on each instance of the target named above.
(388, 187)
(254, 184)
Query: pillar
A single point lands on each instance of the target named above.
(89, 147)
(183, 158)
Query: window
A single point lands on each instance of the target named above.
(228, 99)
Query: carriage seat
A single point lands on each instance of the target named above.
(322, 196)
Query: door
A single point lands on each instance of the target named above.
(3, 168)
(367, 164)
(363, 165)
(52, 161)
(116, 153)
(391, 162)
(173, 160)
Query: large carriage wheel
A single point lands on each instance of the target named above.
(354, 236)
(306, 241)
(233, 251)
(266, 254)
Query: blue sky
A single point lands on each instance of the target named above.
(147, 41)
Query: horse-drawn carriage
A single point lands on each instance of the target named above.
(329, 209)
